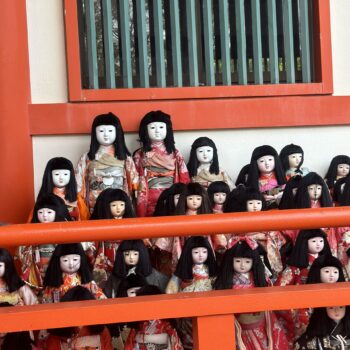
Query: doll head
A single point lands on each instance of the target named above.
(218, 192)
(113, 203)
(107, 130)
(59, 172)
(194, 198)
(292, 157)
(168, 200)
(196, 248)
(156, 117)
(288, 197)
(67, 258)
(243, 176)
(203, 150)
(242, 257)
(313, 241)
(8, 272)
(324, 319)
(339, 167)
(50, 208)
(130, 284)
(265, 160)
(326, 269)
(312, 187)
(131, 254)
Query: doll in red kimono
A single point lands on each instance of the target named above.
(152, 334)
(292, 159)
(108, 163)
(34, 259)
(13, 290)
(83, 337)
(195, 272)
(203, 165)
(159, 164)
(68, 268)
(242, 268)
(267, 175)
(59, 179)
(339, 168)
(111, 204)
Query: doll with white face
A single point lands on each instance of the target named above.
(68, 267)
(108, 163)
(203, 165)
(339, 168)
(267, 175)
(158, 162)
(292, 158)
(13, 290)
(59, 179)
(110, 204)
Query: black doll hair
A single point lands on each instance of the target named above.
(287, 151)
(232, 204)
(253, 174)
(148, 289)
(121, 151)
(322, 261)
(131, 281)
(103, 211)
(193, 162)
(47, 182)
(51, 201)
(197, 190)
(156, 116)
(17, 340)
(243, 176)
(165, 205)
(320, 325)
(53, 276)
(143, 267)
(11, 277)
(302, 198)
(345, 195)
(331, 174)
(240, 250)
(77, 293)
(216, 187)
(339, 189)
(299, 256)
(185, 263)
(288, 197)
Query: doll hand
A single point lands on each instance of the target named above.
(147, 243)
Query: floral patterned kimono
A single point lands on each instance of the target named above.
(153, 327)
(105, 171)
(21, 296)
(268, 185)
(157, 170)
(260, 330)
(343, 251)
(205, 178)
(54, 294)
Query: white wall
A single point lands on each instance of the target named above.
(49, 85)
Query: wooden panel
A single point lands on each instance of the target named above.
(257, 50)
(305, 41)
(225, 42)
(273, 49)
(288, 41)
(241, 43)
(192, 42)
(208, 42)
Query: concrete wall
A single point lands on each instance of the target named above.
(49, 85)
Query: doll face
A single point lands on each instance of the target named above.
(106, 134)
(157, 131)
(295, 159)
(70, 263)
(315, 191)
(329, 274)
(199, 255)
(60, 177)
(131, 292)
(131, 257)
(254, 205)
(193, 202)
(2, 269)
(343, 170)
(117, 209)
(242, 265)
(336, 313)
(46, 215)
(315, 245)
(266, 164)
(205, 154)
(219, 197)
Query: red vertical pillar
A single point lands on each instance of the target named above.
(16, 169)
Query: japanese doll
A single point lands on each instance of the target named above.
(292, 159)
(338, 168)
